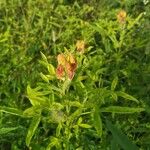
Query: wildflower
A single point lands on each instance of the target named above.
(70, 69)
(121, 16)
(66, 66)
(71, 66)
(61, 59)
(80, 45)
(60, 72)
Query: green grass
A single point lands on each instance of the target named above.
(105, 105)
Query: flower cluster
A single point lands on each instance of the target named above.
(67, 65)
(121, 17)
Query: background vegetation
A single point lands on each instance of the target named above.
(105, 105)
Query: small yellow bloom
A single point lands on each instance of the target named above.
(80, 46)
(121, 16)
(61, 59)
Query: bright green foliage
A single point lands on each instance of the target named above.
(111, 81)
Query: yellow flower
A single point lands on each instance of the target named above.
(80, 46)
(66, 64)
(121, 16)
(61, 59)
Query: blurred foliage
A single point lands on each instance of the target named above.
(116, 62)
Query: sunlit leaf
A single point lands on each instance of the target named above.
(44, 77)
(127, 96)
(54, 142)
(85, 125)
(44, 57)
(31, 111)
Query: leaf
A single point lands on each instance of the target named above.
(53, 142)
(31, 131)
(114, 96)
(37, 97)
(7, 130)
(58, 129)
(114, 145)
(97, 121)
(44, 77)
(51, 69)
(132, 23)
(44, 57)
(74, 115)
(85, 125)
(114, 83)
(121, 110)
(120, 138)
(10, 110)
(31, 112)
(127, 96)
(74, 103)
(66, 85)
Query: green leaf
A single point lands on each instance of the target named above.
(74, 115)
(51, 69)
(31, 112)
(10, 110)
(127, 96)
(31, 131)
(44, 57)
(97, 121)
(114, 83)
(83, 125)
(121, 110)
(36, 96)
(114, 145)
(58, 129)
(114, 96)
(44, 77)
(54, 142)
(66, 85)
(120, 138)
(74, 103)
(7, 130)
(132, 23)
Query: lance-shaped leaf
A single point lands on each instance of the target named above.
(36, 96)
(97, 121)
(10, 110)
(114, 83)
(31, 131)
(7, 130)
(121, 110)
(127, 96)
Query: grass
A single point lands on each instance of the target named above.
(95, 96)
